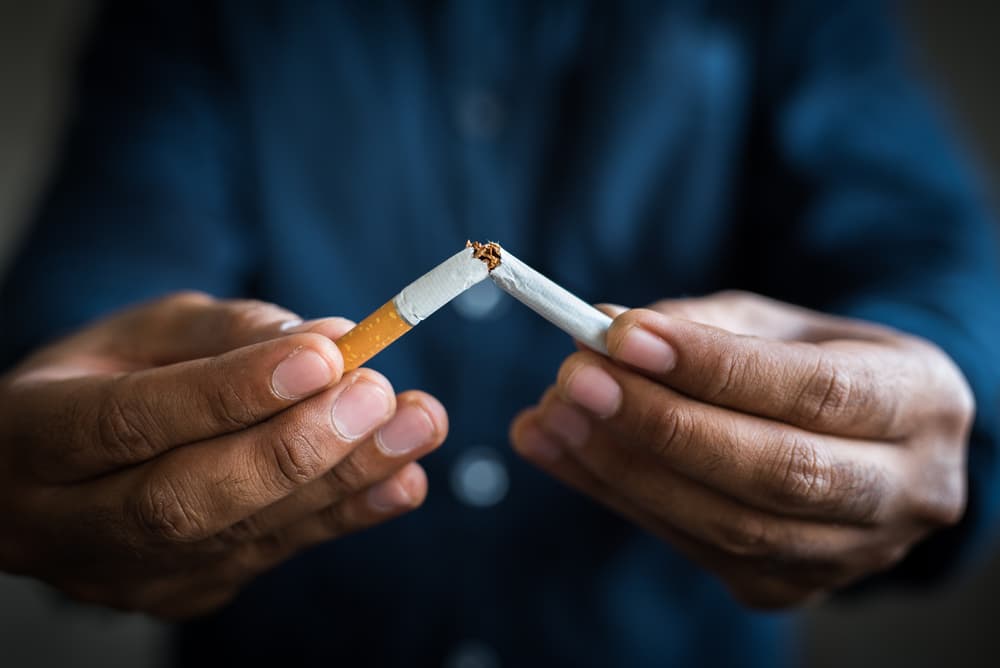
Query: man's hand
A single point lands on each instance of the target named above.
(789, 452)
(159, 459)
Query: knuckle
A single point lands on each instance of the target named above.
(663, 430)
(827, 394)
(799, 475)
(735, 297)
(229, 406)
(124, 425)
(249, 314)
(730, 368)
(165, 512)
(962, 408)
(802, 476)
(663, 305)
(951, 509)
(185, 298)
(338, 520)
(246, 530)
(263, 552)
(747, 536)
(740, 304)
(956, 405)
(345, 478)
(297, 459)
(944, 503)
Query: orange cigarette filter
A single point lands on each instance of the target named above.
(372, 335)
(416, 302)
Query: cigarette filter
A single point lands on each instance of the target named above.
(413, 304)
(554, 303)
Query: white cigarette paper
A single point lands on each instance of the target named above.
(440, 285)
(551, 301)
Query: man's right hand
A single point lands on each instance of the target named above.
(160, 459)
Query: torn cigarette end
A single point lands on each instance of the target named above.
(440, 285)
(488, 253)
(552, 301)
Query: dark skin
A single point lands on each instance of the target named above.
(789, 452)
(160, 459)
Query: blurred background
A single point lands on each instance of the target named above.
(956, 46)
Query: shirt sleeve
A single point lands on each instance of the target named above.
(145, 197)
(863, 207)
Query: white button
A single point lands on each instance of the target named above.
(472, 654)
(478, 302)
(480, 114)
(479, 478)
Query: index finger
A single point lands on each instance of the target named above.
(81, 427)
(193, 493)
(844, 387)
(769, 465)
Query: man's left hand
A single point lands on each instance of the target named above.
(787, 451)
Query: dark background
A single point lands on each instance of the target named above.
(957, 47)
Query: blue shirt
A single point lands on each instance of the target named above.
(322, 155)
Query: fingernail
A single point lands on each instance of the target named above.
(567, 423)
(298, 326)
(388, 496)
(359, 409)
(302, 373)
(595, 389)
(409, 428)
(535, 444)
(645, 350)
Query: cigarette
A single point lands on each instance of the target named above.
(418, 300)
(413, 304)
(551, 301)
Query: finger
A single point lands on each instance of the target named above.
(419, 425)
(189, 325)
(747, 585)
(850, 388)
(771, 466)
(712, 518)
(402, 492)
(213, 583)
(192, 493)
(86, 426)
(755, 315)
(536, 445)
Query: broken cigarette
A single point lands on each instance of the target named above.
(414, 303)
(454, 276)
(551, 301)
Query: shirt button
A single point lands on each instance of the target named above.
(479, 478)
(480, 114)
(480, 301)
(472, 654)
